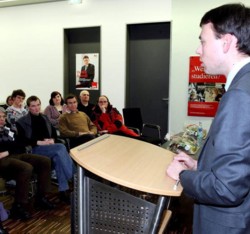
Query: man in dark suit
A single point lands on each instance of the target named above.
(220, 181)
(87, 72)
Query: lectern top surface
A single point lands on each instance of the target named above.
(129, 162)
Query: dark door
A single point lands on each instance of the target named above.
(147, 84)
(78, 41)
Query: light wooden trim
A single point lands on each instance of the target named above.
(132, 163)
(166, 217)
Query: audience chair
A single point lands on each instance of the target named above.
(11, 184)
(63, 140)
(149, 132)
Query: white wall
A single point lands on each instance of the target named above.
(186, 17)
(31, 46)
(31, 51)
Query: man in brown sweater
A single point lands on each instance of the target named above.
(75, 124)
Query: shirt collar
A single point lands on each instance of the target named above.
(72, 112)
(235, 70)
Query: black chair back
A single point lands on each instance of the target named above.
(133, 118)
(149, 132)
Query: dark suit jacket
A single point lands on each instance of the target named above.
(221, 184)
(90, 70)
(25, 130)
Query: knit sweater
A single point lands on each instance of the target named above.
(13, 113)
(53, 114)
(70, 124)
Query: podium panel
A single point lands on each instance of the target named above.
(109, 210)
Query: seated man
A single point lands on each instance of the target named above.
(35, 130)
(84, 105)
(75, 124)
(17, 165)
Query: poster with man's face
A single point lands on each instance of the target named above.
(87, 71)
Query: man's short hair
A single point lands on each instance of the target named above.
(32, 99)
(86, 57)
(231, 19)
(84, 91)
(18, 92)
(70, 96)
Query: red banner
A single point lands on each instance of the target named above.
(204, 90)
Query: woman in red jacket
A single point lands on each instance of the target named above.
(109, 120)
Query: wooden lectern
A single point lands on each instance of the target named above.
(128, 162)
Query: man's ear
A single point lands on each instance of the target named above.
(228, 41)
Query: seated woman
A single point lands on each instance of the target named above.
(16, 164)
(8, 103)
(55, 108)
(109, 120)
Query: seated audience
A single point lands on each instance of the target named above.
(8, 103)
(35, 130)
(109, 120)
(76, 125)
(84, 105)
(16, 164)
(55, 108)
(17, 109)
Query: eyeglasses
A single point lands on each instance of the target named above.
(3, 116)
(102, 101)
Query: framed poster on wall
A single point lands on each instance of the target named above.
(87, 71)
(204, 90)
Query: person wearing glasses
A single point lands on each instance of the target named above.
(76, 125)
(108, 119)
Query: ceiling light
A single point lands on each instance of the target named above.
(75, 1)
